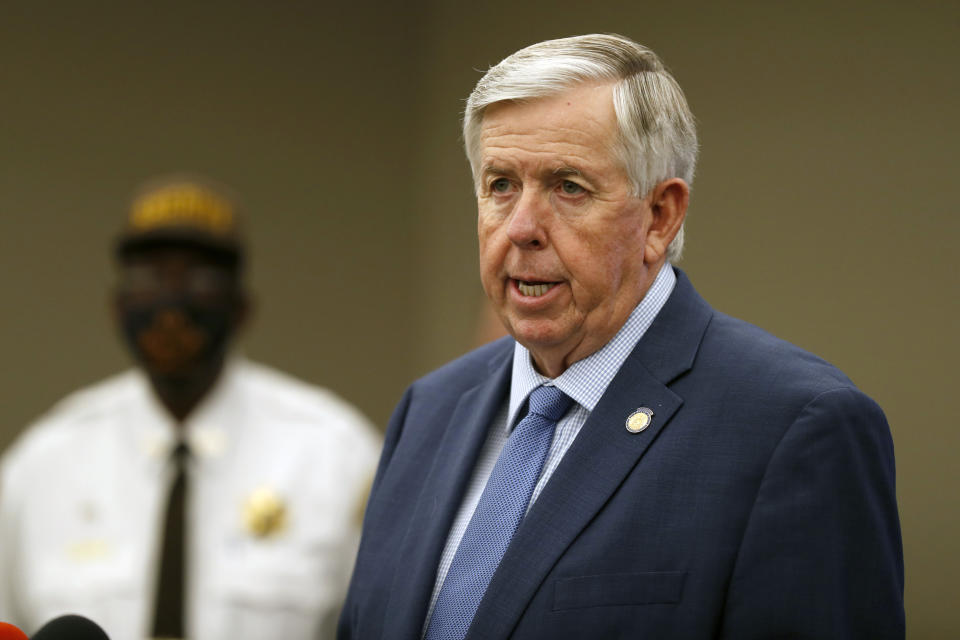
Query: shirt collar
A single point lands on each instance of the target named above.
(205, 429)
(586, 380)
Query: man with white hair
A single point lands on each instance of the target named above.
(629, 462)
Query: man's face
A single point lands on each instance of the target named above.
(178, 309)
(562, 238)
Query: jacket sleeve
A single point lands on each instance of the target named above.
(821, 556)
(347, 622)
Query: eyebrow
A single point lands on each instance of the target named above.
(562, 172)
(490, 169)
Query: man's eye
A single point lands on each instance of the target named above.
(205, 282)
(140, 280)
(500, 185)
(571, 188)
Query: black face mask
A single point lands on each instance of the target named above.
(176, 337)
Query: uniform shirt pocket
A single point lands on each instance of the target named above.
(619, 589)
(251, 604)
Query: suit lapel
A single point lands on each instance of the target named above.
(440, 499)
(599, 460)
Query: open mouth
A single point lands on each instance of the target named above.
(534, 289)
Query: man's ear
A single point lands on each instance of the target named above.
(668, 206)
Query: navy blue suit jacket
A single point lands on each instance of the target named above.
(759, 503)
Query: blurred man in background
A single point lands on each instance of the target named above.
(199, 495)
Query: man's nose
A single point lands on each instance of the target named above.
(170, 319)
(525, 227)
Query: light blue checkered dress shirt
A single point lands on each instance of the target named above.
(585, 381)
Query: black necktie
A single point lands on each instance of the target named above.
(168, 615)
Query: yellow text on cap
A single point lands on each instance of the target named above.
(182, 205)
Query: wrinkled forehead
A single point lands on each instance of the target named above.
(580, 121)
(596, 96)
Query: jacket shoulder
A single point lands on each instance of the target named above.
(749, 354)
(468, 370)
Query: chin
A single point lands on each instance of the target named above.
(169, 378)
(536, 334)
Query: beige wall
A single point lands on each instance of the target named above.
(304, 111)
(823, 210)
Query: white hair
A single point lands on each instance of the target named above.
(658, 137)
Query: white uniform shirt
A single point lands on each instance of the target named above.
(83, 494)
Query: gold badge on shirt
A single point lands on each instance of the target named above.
(264, 513)
(88, 550)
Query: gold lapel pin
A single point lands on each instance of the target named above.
(264, 513)
(639, 420)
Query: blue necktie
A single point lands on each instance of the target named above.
(502, 506)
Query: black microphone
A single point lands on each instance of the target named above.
(70, 627)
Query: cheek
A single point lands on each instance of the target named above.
(589, 257)
(492, 246)
(600, 269)
(488, 222)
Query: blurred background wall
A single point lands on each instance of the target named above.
(825, 207)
